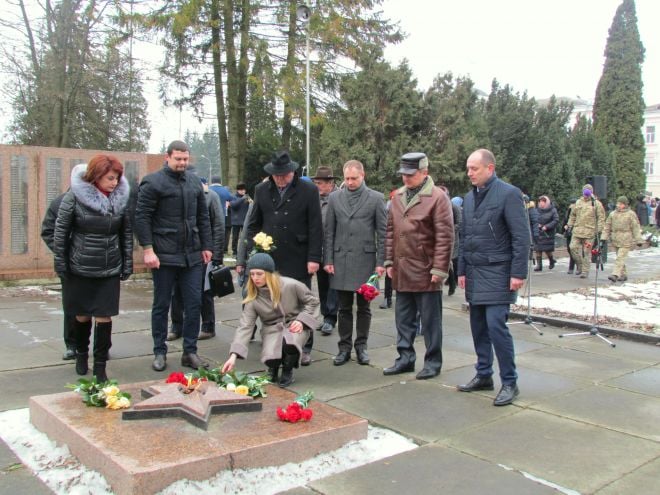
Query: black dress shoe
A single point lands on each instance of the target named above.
(506, 395)
(69, 354)
(342, 358)
(173, 336)
(160, 362)
(398, 369)
(305, 359)
(193, 361)
(386, 304)
(204, 335)
(427, 373)
(477, 383)
(362, 356)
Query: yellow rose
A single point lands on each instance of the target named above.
(111, 401)
(259, 238)
(231, 387)
(111, 390)
(123, 403)
(242, 389)
(269, 239)
(266, 248)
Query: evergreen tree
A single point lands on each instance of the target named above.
(456, 127)
(619, 106)
(378, 118)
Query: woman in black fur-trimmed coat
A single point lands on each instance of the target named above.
(546, 225)
(93, 245)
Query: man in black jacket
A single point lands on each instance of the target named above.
(288, 209)
(217, 220)
(172, 225)
(494, 244)
(47, 234)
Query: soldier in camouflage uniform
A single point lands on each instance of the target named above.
(623, 230)
(586, 221)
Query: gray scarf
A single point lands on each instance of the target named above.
(354, 196)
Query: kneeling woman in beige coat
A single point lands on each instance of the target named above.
(288, 311)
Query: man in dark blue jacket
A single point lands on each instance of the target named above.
(494, 246)
(172, 226)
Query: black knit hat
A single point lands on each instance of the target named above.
(261, 261)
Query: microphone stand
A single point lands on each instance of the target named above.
(528, 291)
(594, 330)
(528, 285)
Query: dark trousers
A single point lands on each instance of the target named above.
(235, 236)
(189, 282)
(388, 289)
(429, 306)
(68, 322)
(327, 296)
(489, 331)
(69, 337)
(345, 321)
(307, 348)
(227, 236)
(207, 309)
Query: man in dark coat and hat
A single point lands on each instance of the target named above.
(288, 209)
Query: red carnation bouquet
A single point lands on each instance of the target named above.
(297, 410)
(368, 290)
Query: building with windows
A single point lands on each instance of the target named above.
(652, 156)
(650, 131)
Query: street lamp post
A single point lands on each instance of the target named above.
(303, 13)
(208, 160)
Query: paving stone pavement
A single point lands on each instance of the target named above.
(587, 420)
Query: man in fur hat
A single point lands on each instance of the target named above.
(288, 209)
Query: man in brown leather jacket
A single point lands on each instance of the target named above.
(418, 244)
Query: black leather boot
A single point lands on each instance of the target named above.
(273, 369)
(102, 344)
(289, 361)
(82, 331)
(539, 264)
(553, 262)
(81, 363)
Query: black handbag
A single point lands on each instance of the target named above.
(221, 281)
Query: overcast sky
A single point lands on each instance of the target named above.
(543, 47)
(539, 46)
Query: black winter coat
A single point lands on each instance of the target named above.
(545, 239)
(93, 236)
(171, 216)
(494, 244)
(293, 221)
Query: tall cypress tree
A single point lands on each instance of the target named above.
(619, 106)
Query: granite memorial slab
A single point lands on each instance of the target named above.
(146, 456)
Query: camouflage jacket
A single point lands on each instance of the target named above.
(583, 221)
(622, 229)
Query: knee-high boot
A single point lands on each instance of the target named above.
(102, 344)
(82, 331)
(539, 264)
(552, 260)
